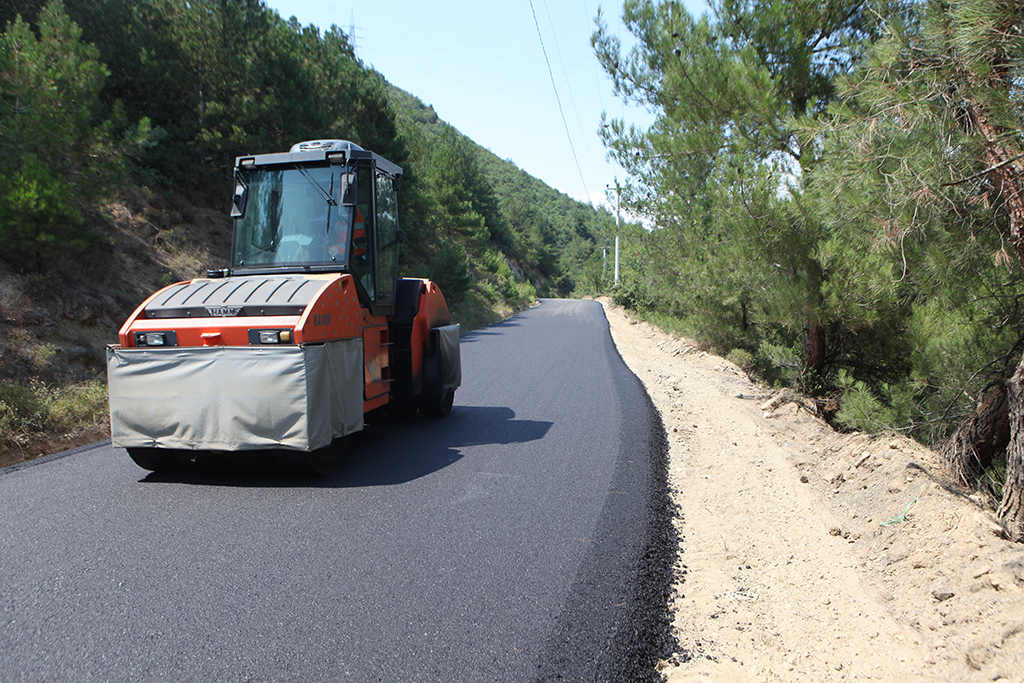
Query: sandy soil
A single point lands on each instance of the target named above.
(807, 555)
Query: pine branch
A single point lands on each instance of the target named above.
(984, 172)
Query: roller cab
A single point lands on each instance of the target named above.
(306, 331)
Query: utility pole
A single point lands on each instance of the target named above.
(616, 229)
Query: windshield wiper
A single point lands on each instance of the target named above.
(319, 188)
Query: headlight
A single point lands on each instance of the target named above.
(270, 337)
(156, 339)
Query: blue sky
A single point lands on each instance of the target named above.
(482, 66)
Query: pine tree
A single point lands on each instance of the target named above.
(58, 155)
(453, 174)
(935, 145)
(723, 163)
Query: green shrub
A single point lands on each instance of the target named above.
(42, 355)
(493, 260)
(25, 406)
(489, 291)
(741, 357)
(777, 363)
(36, 408)
(36, 213)
(8, 421)
(450, 270)
(632, 294)
(508, 288)
(859, 409)
(78, 404)
(526, 294)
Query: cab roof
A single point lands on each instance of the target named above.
(319, 151)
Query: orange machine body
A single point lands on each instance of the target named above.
(308, 329)
(312, 309)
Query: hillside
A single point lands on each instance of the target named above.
(55, 324)
(548, 238)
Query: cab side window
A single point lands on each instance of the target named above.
(362, 258)
(387, 237)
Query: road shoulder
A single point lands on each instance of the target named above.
(811, 555)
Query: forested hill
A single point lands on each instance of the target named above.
(547, 238)
(119, 125)
(105, 98)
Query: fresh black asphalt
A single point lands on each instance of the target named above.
(525, 537)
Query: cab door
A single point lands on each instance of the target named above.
(388, 237)
(375, 238)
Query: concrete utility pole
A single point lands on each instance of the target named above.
(616, 228)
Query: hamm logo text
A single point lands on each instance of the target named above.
(223, 311)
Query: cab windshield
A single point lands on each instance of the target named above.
(297, 217)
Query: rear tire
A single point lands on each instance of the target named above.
(434, 402)
(434, 406)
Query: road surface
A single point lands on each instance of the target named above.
(525, 537)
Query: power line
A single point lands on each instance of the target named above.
(367, 44)
(572, 98)
(558, 99)
(408, 38)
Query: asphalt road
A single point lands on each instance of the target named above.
(525, 537)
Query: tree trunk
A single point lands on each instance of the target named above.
(814, 347)
(979, 438)
(1007, 176)
(1011, 511)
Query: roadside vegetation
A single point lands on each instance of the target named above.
(119, 125)
(837, 189)
(40, 408)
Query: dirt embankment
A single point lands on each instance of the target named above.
(55, 323)
(808, 555)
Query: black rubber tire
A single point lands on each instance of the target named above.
(318, 463)
(437, 406)
(154, 459)
(433, 402)
(327, 460)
